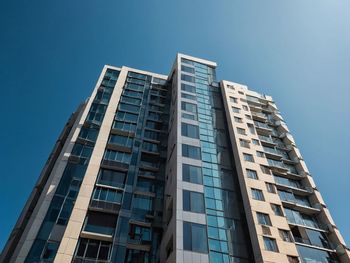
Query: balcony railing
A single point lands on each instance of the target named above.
(262, 125)
(324, 243)
(266, 139)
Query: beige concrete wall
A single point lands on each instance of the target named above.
(252, 206)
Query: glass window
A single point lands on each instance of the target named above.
(107, 195)
(263, 219)
(241, 131)
(238, 120)
(270, 244)
(133, 93)
(188, 88)
(195, 237)
(192, 174)
(257, 194)
(125, 116)
(245, 107)
(186, 106)
(270, 188)
(187, 78)
(130, 100)
(234, 100)
(308, 254)
(143, 203)
(248, 157)
(277, 209)
(265, 169)
(251, 174)
(285, 235)
(236, 110)
(193, 202)
(101, 223)
(189, 116)
(244, 143)
(150, 147)
(111, 178)
(189, 130)
(88, 134)
(191, 151)
(153, 135)
(81, 150)
(124, 126)
(129, 107)
(187, 69)
(251, 128)
(255, 142)
(186, 61)
(117, 156)
(154, 115)
(260, 154)
(153, 125)
(121, 140)
(188, 96)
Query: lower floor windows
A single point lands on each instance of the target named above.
(195, 237)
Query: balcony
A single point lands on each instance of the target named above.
(302, 207)
(322, 244)
(104, 206)
(301, 190)
(272, 152)
(259, 116)
(262, 125)
(266, 140)
(87, 260)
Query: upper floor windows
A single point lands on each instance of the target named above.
(270, 244)
(132, 93)
(241, 131)
(124, 126)
(129, 107)
(236, 110)
(187, 69)
(187, 78)
(248, 157)
(192, 174)
(263, 219)
(94, 249)
(234, 100)
(195, 237)
(111, 178)
(188, 88)
(121, 140)
(193, 201)
(186, 106)
(191, 151)
(117, 156)
(150, 147)
(251, 174)
(126, 116)
(189, 130)
(257, 194)
(83, 151)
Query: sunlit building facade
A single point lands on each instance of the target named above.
(175, 168)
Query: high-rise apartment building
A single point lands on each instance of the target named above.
(178, 168)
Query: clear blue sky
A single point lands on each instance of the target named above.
(51, 53)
